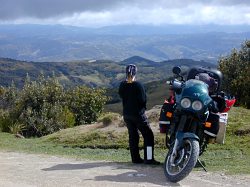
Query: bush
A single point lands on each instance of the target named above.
(86, 103)
(8, 97)
(5, 121)
(40, 107)
(49, 119)
(44, 107)
(17, 128)
(109, 117)
(236, 71)
(107, 120)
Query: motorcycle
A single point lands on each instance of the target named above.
(192, 123)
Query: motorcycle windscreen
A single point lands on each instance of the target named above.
(196, 90)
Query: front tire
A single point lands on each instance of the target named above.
(184, 161)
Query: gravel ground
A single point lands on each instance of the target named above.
(24, 170)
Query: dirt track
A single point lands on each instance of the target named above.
(18, 169)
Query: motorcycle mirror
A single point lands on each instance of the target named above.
(176, 70)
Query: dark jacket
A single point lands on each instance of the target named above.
(134, 98)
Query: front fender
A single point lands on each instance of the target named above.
(181, 136)
(179, 142)
(184, 135)
(190, 135)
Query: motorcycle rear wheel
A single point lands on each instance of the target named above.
(183, 163)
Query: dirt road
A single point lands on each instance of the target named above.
(24, 170)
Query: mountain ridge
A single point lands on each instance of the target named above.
(94, 73)
(41, 43)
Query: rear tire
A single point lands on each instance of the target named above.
(184, 162)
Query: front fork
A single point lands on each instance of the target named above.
(180, 136)
(174, 152)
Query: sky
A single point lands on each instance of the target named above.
(99, 13)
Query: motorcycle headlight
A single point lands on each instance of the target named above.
(185, 103)
(197, 105)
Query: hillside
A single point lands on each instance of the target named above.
(232, 157)
(94, 73)
(66, 43)
(156, 92)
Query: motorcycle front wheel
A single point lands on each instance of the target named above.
(184, 161)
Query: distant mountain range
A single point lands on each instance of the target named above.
(95, 73)
(50, 43)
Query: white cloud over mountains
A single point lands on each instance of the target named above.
(96, 13)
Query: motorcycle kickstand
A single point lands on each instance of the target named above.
(202, 165)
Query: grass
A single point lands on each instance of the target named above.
(38, 146)
(8, 142)
(233, 157)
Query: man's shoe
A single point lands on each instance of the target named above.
(138, 161)
(152, 162)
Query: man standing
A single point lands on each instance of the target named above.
(134, 105)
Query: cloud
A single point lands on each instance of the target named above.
(13, 9)
(111, 12)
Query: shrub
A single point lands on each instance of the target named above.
(236, 71)
(44, 107)
(49, 119)
(107, 120)
(86, 103)
(17, 128)
(109, 117)
(5, 121)
(8, 97)
(39, 106)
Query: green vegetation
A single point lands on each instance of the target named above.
(8, 142)
(86, 103)
(236, 71)
(101, 142)
(43, 107)
(234, 155)
(96, 73)
(61, 43)
(156, 91)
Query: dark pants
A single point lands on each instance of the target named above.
(135, 123)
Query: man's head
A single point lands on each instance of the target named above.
(131, 70)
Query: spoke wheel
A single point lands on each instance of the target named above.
(183, 162)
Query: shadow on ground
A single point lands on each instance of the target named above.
(120, 172)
